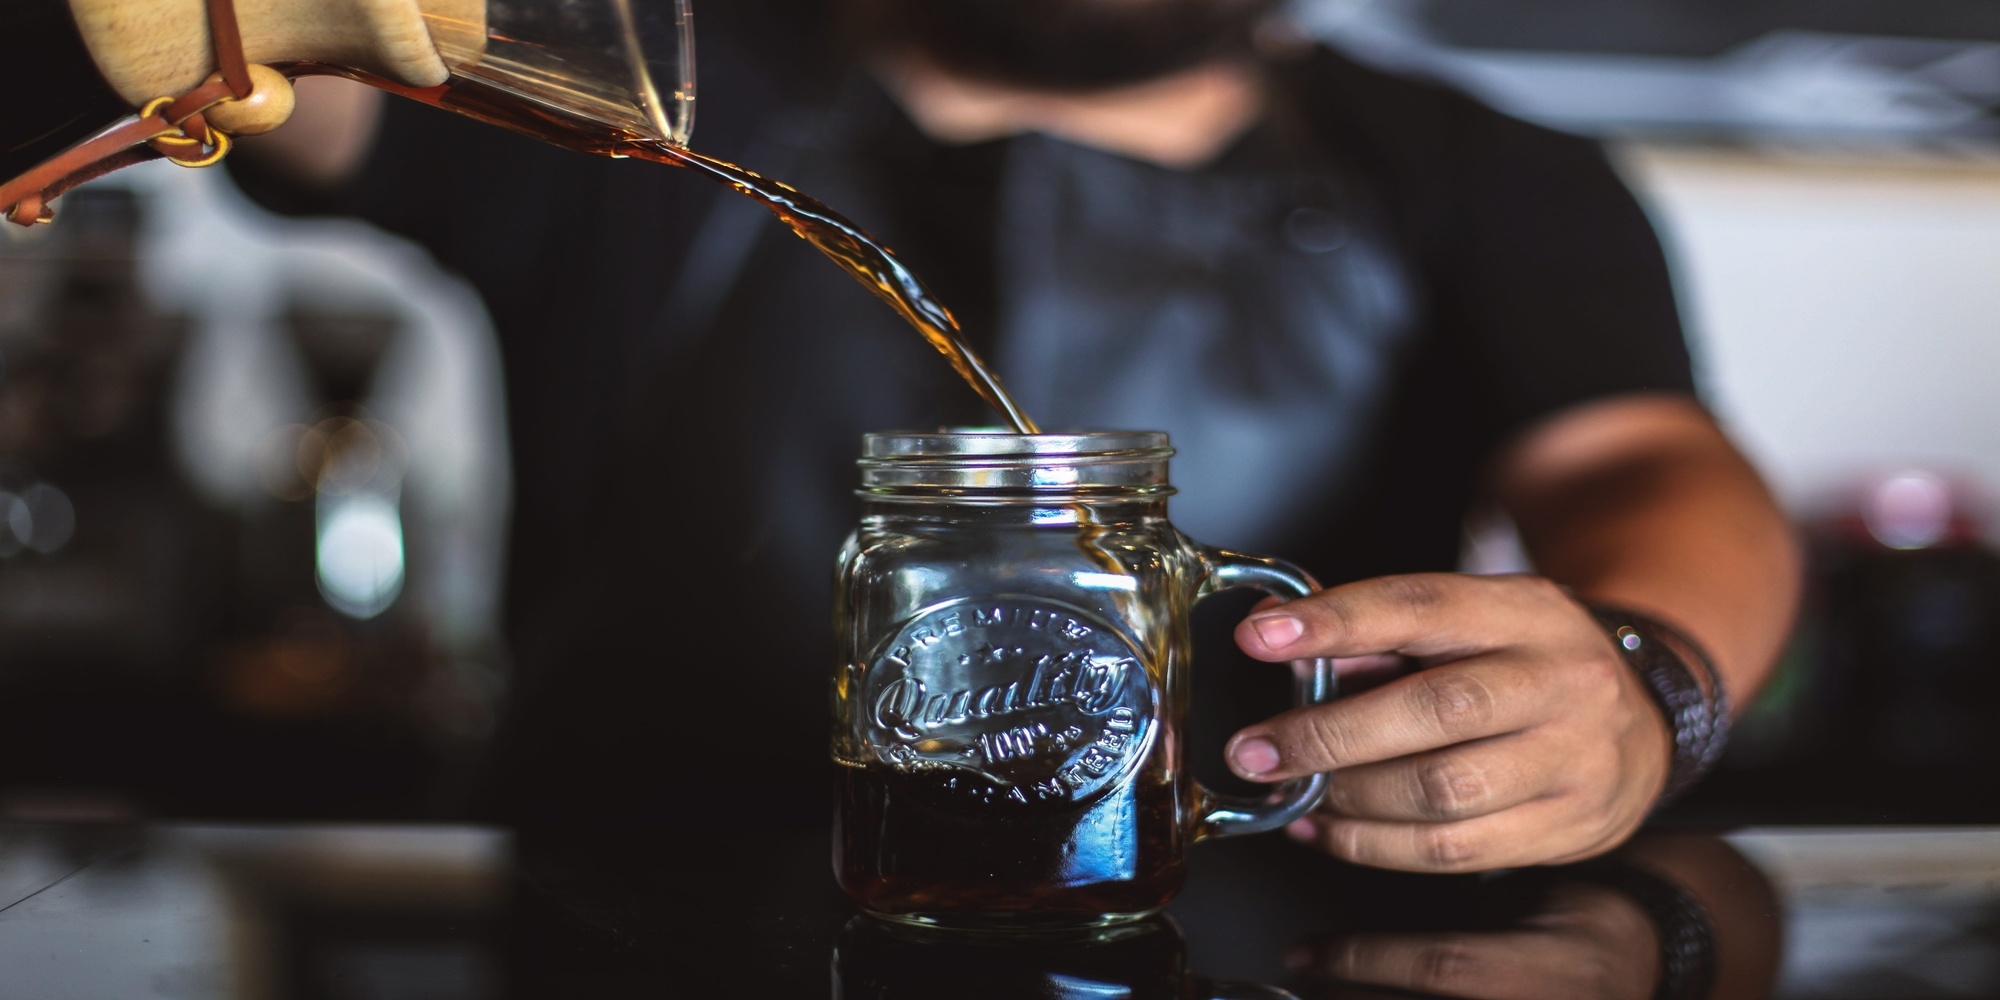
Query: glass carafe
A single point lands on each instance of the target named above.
(1012, 620)
(588, 74)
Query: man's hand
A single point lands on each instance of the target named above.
(1523, 738)
(328, 137)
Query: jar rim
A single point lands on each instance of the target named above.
(994, 442)
(982, 459)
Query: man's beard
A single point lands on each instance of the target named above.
(1068, 44)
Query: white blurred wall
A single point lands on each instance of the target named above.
(1845, 308)
(208, 252)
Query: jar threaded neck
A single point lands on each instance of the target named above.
(982, 461)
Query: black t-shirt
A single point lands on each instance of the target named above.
(1340, 321)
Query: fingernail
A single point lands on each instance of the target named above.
(1278, 631)
(1256, 756)
(1301, 830)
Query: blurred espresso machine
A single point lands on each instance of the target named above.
(167, 654)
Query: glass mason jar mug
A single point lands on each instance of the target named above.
(1012, 677)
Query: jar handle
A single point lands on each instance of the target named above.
(1229, 815)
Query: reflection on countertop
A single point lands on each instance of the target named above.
(368, 912)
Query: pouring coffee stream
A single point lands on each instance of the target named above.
(851, 248)
(867, 261)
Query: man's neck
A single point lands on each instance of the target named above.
(1180, 121)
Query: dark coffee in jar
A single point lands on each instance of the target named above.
(905, 846)
(1019, 775)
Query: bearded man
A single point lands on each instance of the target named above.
(1364, 306)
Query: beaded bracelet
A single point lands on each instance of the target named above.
(1683, 682)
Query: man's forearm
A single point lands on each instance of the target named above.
(1645, 503)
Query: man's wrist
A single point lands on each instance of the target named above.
(1684, 684)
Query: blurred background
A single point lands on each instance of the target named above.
(250, 544)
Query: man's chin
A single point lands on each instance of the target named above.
(1068, 44)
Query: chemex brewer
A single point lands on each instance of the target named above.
(1011, 682)
(606, 77)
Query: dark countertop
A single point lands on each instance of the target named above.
(440, 912)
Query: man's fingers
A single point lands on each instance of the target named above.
(1462, 782)
(1361, 673)
(1422, 615)
(1515, 837)
(1429, 709)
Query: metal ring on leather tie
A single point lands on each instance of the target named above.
(181, 147)
(213, 157)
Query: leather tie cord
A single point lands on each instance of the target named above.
(170, 127)
(227, 37)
